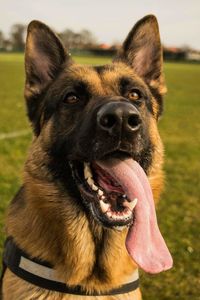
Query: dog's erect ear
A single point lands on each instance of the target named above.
(44, 59)
(143, 51)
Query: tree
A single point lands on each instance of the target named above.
(17, 37)
(78, 40)
(87, 39)
(1, 40)
(67, 37)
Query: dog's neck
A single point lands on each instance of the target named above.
(82, 250)
(44, 275)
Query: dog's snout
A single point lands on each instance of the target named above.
(118, 116)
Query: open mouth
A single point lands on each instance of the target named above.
(103, 194)
(117, 191)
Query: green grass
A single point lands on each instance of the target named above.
(179, 208)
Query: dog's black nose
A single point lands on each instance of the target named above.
(118, 115)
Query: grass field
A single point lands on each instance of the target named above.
(179, 208)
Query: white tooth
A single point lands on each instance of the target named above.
(87, 171)
(103, 197)
(90, 181)
(100, 192)
(87, 174)
(94, 187)
(117, 217)
(109, 214)
(104, 206)
(132, 204)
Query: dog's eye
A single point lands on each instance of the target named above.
(71, 98)
(134, 95)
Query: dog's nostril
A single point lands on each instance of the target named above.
(108, 121)
(134, 121)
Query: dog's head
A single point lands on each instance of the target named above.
(90, 118)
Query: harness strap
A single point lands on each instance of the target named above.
(42, 274)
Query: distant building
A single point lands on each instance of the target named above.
(193, 55)
(104, 46)
(173, 53)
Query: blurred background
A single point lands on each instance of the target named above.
(93, 32)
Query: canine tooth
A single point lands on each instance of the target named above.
(94, 187)
(100, 192)
(86, 174)
(87, 171)
(130, 204)
(104, 206)
(133, 203)
(90, 181)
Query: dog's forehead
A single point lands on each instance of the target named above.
(116, 74)
(85, 74)
(113, 72)
(102, 79)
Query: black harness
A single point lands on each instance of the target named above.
(26, 268)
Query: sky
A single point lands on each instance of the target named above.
(109, 20)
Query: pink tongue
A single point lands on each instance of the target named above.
(144, 241)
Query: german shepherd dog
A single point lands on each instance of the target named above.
(94, 167)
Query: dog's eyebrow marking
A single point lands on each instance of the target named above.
(112, 72)
(89, 77)
(117, 76)
(81, 87)
(127, 82)
(124, 83)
